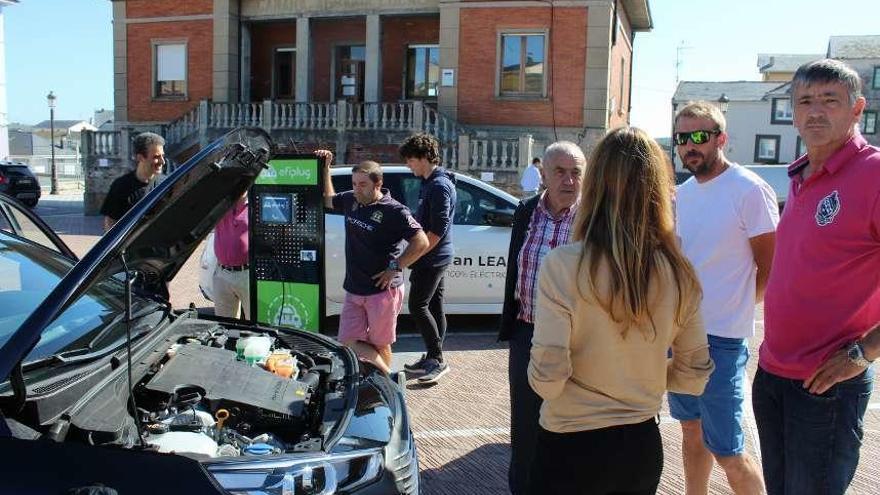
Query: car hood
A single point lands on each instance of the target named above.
(157, 236)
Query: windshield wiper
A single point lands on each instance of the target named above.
(115, 321)
(83, 354)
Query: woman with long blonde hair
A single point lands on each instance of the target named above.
(610, 306)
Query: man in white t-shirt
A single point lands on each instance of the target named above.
(726, 219)
(531, 178)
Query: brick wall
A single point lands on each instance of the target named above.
(621, 54)
(199, 37)
(397, 34)
(265, 38)
(326, 34)
(167, 8)
(477, 103)
(382, 153)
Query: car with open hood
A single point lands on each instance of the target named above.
(104, 388)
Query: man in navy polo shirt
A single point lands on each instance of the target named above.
(435, 213)
(376, 227)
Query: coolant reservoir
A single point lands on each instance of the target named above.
(240, 344)
(190, 444)
(282, 364)
(257, 349)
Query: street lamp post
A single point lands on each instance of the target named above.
(724, 103)
(50, 99)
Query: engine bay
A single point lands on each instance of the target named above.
(201, 389)
(227, 392)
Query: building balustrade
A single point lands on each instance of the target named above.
(459, 149)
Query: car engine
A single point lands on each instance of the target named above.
(227, 392)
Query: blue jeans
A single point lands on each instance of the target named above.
(809, 443)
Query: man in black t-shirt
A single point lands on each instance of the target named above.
(149, 149)
(376, 227)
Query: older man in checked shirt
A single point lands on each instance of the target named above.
(540, 224)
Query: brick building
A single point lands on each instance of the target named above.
(494, 80)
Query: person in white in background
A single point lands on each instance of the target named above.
(531, 178)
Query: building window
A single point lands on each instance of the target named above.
(170, 70)
(801, 149)
(766, 149)
(522, 70)
(868, 123)
(350, 66)
(781, 111)
(875, 83)
(422, 71)
(284, 73)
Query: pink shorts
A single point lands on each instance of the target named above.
(372, 318)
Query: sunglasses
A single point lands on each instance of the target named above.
(696, 137)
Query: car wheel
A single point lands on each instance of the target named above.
(30, 203)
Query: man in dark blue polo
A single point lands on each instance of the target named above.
(376, 227)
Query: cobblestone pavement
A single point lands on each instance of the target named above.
(461, 424)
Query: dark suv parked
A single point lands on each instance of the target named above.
(17, 180)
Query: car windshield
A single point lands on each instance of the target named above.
(16, 171)
(28, 273)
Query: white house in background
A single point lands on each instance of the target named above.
(67, 135)
(759, 119)
(103, 119)
(862, 53)
(38, 152)
(782, 66)
(4, 131)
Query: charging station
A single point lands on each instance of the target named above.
(286, 243)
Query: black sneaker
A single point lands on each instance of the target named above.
(418, 366)
(433, 371)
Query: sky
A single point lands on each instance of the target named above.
(63, 46)
(66, 46)
(722, 40)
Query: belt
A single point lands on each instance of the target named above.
(239, 268)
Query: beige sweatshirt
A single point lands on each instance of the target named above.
(592, 376)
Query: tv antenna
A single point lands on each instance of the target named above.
(678, 60)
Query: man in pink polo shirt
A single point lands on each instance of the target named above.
(822, 304)
(231, 277)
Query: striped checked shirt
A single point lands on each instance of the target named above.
(545, 233)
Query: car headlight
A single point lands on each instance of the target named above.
(311, 475)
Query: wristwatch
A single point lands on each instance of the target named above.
(856, 354)
(394, 265)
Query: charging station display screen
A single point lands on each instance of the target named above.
(276, 209)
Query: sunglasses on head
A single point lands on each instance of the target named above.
(696, 137)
